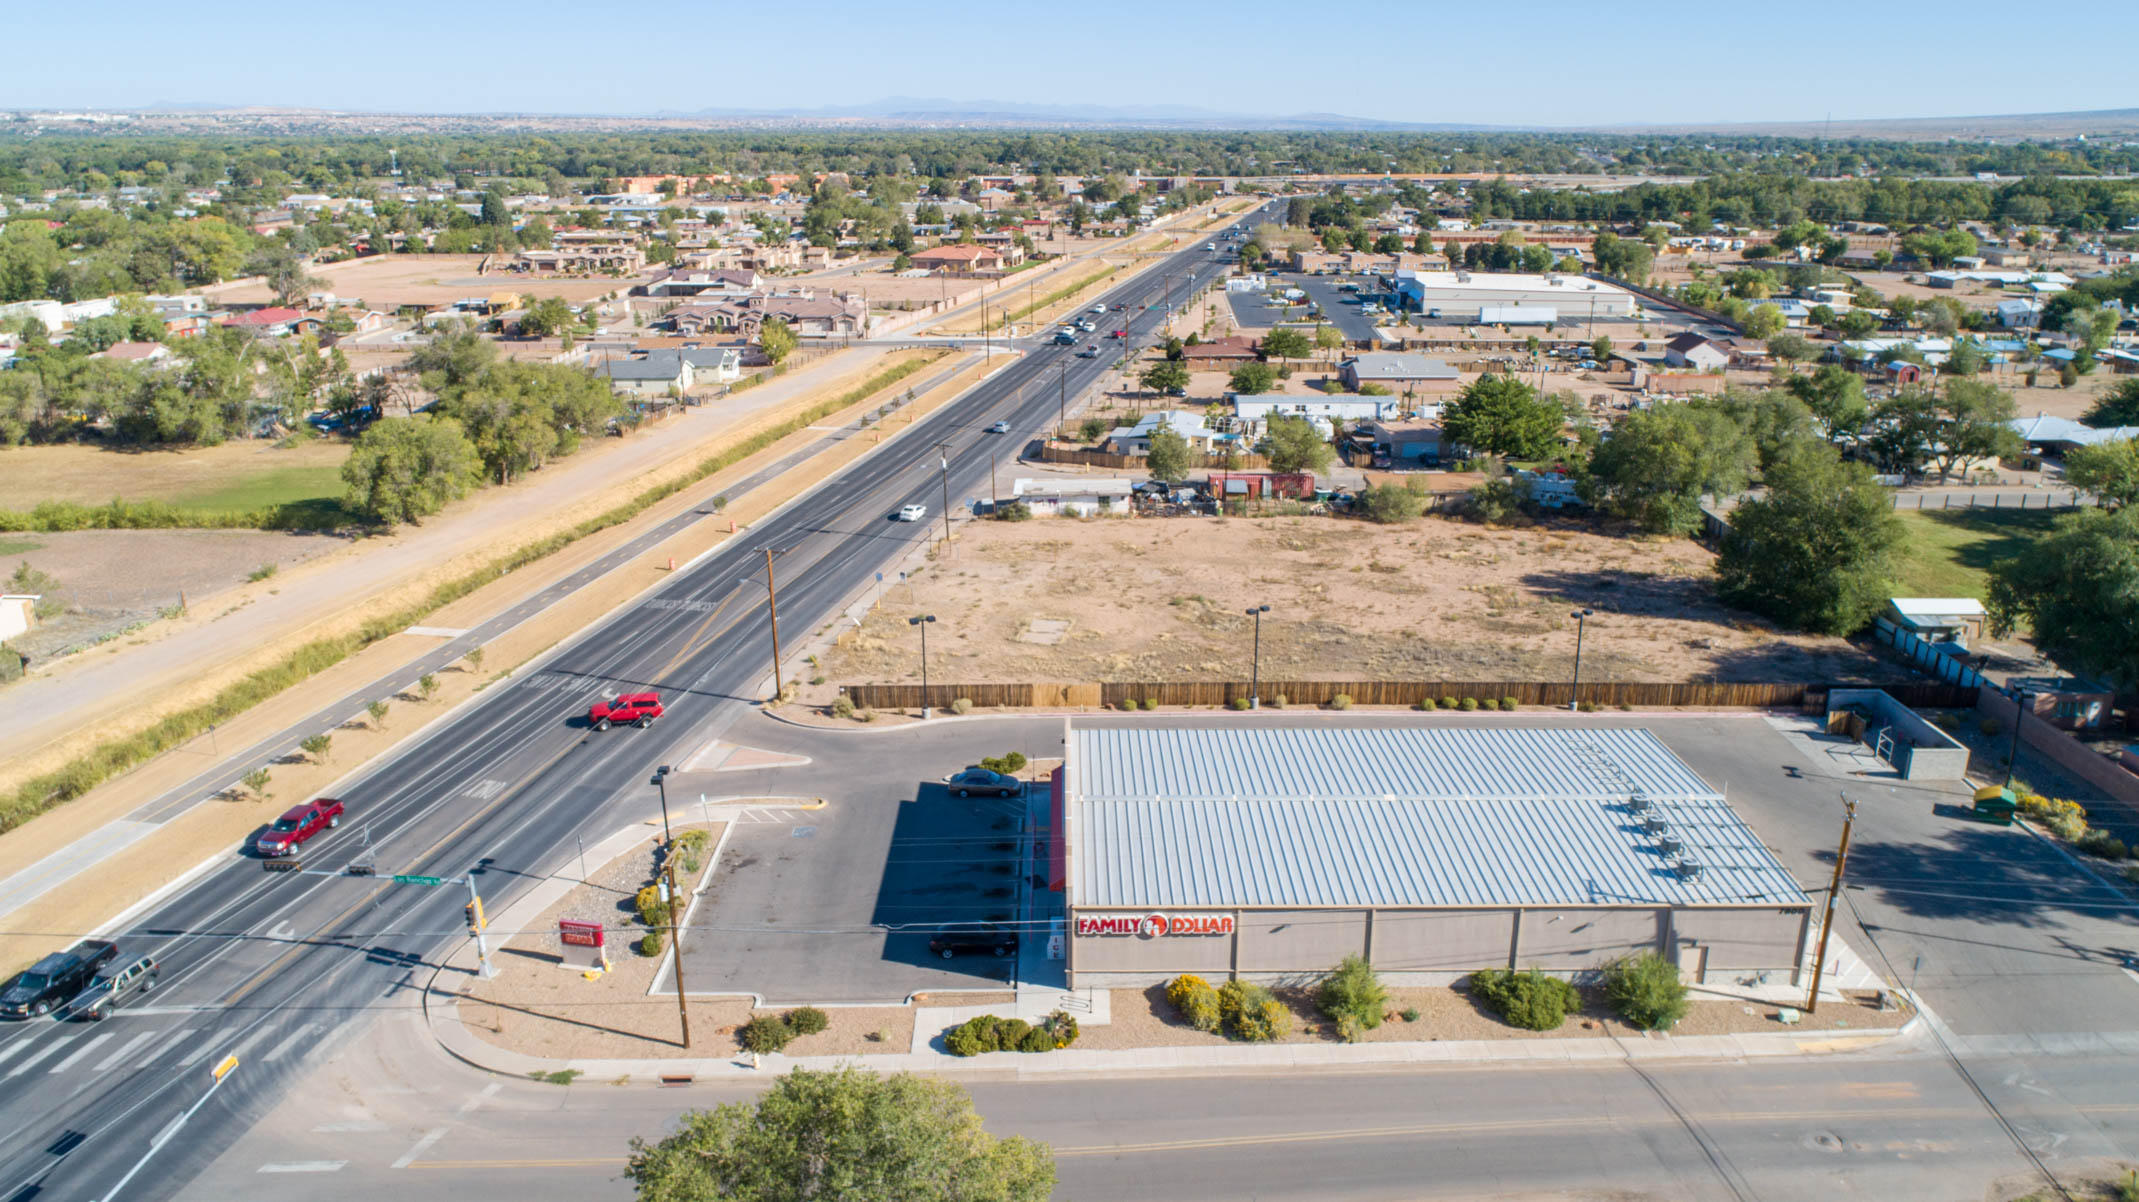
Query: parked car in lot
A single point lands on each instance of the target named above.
(297, 824)
(985, 781)
(639, 709)
(993, 941)
(912, 513)
(115, 987)
(55, 979)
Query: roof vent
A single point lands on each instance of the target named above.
(1688, 870)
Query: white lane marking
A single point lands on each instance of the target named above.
(177, 1037)
(129, 1046)
(488, 1091)
(282, 930)
(351, 1126)
(8, 1053)
(304, 1166)
(41, 1053)
(87, 1047)
(484, 790)
(280, 1049)
(422, 1145)
(199, 1050)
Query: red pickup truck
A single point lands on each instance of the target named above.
(298, 824)
(639, 708)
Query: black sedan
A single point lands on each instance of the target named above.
(950, 944)
(986, 783)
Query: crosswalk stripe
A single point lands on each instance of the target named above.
(245, 1045)
(156, 1053)
(277, 1052)
(129, 1046)
(199, 1050)
(41, 1053)
(8, 1053)
(87, 1047)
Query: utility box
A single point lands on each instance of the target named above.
(1995, 805)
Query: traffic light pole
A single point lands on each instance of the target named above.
(475, 927)
(675, 938)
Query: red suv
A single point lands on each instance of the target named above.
(640, 708)
(297, 825)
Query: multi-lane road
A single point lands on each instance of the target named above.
(278, 969)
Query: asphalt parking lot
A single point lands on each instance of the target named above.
(1253, 309)
(836, 905)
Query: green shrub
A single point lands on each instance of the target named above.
(695, 839)
(1008, 764)
(1491, 703)
(764, 1034)
(1196, 1001)
(256, 782)
(1467, 704)
(2067, 827)
(2131, 873)
(807, 1020)
(2101, 843)
(1010, 1033)
(1530, 1000)
(962, 705)
(1509, 704)
(1342, 701)
(1352, 995)
(1447, 703)
(1646, 991)
(1061, 1028)
(1411, 1014)
(1036, 1039)
(1151, 703)
(971, 1037)
(1238, 703)
(650, 943)
(1129, 704)
(1252, 1013)
(842, 706)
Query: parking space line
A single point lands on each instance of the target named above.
(125, 1048)
(89, 1045)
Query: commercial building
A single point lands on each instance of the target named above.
(1273, 852)
(1467, 294)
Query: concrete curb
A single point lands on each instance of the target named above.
(1265, 714)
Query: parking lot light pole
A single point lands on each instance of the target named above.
(943, 460)
(660, 781)
(1574, 698)
(2021, 701)
(1255, 673)
(923, 622)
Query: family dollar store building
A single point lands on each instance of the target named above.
(1272, 852)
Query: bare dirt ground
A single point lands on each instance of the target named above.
(1143, 1018)
(538, 1006)
(1162, 599)
(111, 579)
(389, 281)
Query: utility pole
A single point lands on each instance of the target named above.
(772, 603)
(1834, 890)
(943, 453)
(675, 938)
(475, 928)
(1062, 402)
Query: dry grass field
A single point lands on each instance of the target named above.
(1163, 599)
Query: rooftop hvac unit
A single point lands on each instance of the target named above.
(1639, 804)
(1652, 825)
(1688, 870)
(1668, 846)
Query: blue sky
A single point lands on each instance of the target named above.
(1539, 63)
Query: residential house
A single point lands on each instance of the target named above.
(2019, 313)
(1400, 372)
(655, 373)
(697, 281)
(2056, 435)
(1399, 444)
(714, 364)
(960, 258)
(1073, 498)
(1219, 354)
(1691, 350)
(1254, 410)
(273, 322)
(1136, 440)
(136, 352)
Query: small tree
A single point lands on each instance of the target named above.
(427, 684)
(1252, 378)
(1092, 429)
(316, 746)
(377, 710)
(1169, 458)
(1646, 991)
(256, 782)
(1285, 343)
(474, 659)
(1165, 377)
(776, 340)
(1295, 445)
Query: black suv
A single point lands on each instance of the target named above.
(949, 944)
(55, 979)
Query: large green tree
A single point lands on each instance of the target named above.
(2117, 407)
(1657, 464)
(776, 340)
(844, 1134)
(405, 468)
(2077, 589)
(1974, 421)
(2109, 470)
(1501, 415)
(1286, 343)
(1252, 378)
(1293, 444)
(1165, 377)
(1169, 458)
(1816, 551)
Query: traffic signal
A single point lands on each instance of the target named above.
(282, 865)
(474, 910)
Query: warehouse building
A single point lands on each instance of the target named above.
(1271, 853)
(1469, 294)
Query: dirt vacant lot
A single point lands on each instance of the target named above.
(389, 281)
(1162, 599)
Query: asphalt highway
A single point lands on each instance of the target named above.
(278, 969)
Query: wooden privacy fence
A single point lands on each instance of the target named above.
(1605, 693)
(1054, 452)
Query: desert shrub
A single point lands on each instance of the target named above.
(2131, 873)
(1238, 703)
(1352, 995)
(1278, 702)
(1411, 1014)
(1447, 703)
(1009, 1033)
(1530, 1000)
(1036, 1039)
(807, 1020)
(842, 706)
(1196, 1001)
(695, 839)
(1252, 1013)
(1061, 1028)
(1342, 701)
(1646, 991)
(1491, 703)
(1467, 704)
(1151, 703)
(972, 1037)
(2067, 827)
(1988, 726)
(316, 746)
(962, 705)
(650, 943)
(865, 715)
(1587, 707)
(1007, 764)
(1509, 704)
(652, 910)
(1129, 705)
(2101, 843)
(764, 1034)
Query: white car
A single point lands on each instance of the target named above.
(912, 513)
(1099, 308)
